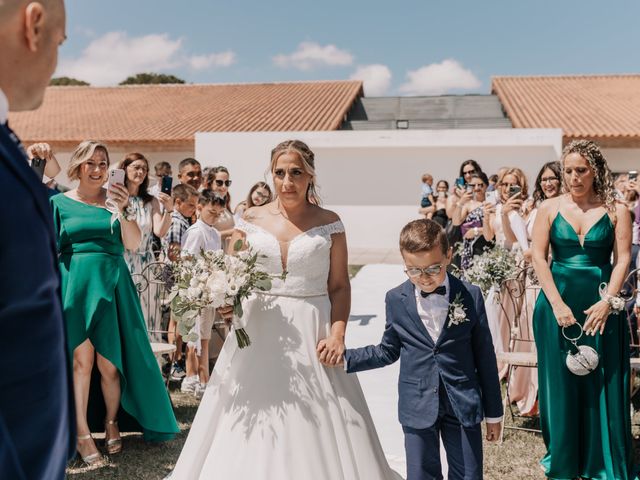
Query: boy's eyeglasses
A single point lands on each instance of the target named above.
(433, 270)
(223, 182)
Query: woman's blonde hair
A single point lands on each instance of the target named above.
(603, 178)
(521, 178)
(308, 161)
(81, 154)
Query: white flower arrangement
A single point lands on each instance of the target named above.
(213, 279)
(491, 268)
(616, 302)
(457, 312)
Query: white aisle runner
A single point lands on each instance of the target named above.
(380, 386)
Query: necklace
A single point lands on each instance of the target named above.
(93, 202)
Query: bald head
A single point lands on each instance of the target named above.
(30, 34)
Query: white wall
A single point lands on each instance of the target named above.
(622, 159)
(372, 178)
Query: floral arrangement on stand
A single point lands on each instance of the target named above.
(213, 279)
(491, 268)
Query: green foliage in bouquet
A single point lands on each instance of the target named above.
(491, 268)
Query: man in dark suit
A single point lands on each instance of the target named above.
(36, 417)
(437, 326)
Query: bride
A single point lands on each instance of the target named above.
(273, 410)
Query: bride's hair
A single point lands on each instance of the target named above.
(603, 179)
(308, 160)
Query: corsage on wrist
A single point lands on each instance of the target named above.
(616, 302)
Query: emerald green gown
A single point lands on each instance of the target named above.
(100, 302)
(585, 421)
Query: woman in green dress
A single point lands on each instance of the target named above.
(585, 419)
(105, 326)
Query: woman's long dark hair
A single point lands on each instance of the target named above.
(211, 177)
(143, 190)
(475, 165)
(538, 194)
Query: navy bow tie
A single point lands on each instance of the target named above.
(441, 290)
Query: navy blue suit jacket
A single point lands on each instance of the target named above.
(463, 358)
(37, 426)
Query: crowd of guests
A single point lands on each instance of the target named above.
(117, 386)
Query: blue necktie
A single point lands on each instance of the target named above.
(441, 290)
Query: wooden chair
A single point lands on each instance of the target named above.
(517, 299)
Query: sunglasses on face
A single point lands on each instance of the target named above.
(469, 172)
(549, 179)
(226, 183)
(432, 271)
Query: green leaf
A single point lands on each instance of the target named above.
(237, 246)
(263, 284)
(237, 309)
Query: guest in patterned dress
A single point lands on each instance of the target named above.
(152, 220)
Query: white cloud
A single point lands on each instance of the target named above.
(114, 56)
(223, 59)
(310, 55)
(439, 78)
(376, 78)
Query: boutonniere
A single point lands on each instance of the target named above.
(457, 312)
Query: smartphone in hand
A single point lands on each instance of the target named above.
(633, 174)
(116, 176)
(460, 182)
(37, 165)
(166, 184)
(514, 189)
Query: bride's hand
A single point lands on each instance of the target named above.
(226, 313)
(564, 315)
(597, 315)
(331, 351)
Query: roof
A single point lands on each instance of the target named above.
(446, 111)
(171, 114)
(604, 108)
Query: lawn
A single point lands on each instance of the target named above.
(517, 457)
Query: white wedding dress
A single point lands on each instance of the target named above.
(271, 411)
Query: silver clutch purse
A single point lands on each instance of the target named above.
(585, 360)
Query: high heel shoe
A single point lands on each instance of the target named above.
(93, 459)
(114, 445)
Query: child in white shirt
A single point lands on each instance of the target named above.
(202, 235)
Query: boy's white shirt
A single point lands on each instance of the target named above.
(200, 236)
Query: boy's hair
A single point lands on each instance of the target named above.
(422, 236)
(208, 197)
(186, 162)
(427, 176)
(493, 178)
(162, 167)
(183, 192)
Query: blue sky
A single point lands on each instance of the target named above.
(401, 47)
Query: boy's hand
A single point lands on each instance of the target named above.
(493, 431)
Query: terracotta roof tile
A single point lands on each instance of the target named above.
(172, 114)
(605, 108)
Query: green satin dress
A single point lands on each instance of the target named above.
(100, 303)
(585, 420)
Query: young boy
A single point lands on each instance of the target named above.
(427, 191)
(202, 235)
(185, 199)
(437, 325)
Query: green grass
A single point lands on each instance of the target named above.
(516, 458)
(353, 269)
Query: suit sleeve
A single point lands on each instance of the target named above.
(485, 359)
(376, 356)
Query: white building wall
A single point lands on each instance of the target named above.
(372, 178)
(622, 159)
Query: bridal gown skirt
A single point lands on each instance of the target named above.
(272, 411)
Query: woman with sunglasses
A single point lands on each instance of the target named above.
(260, 194)
(469, 215)
(468, 168)
(218, 182)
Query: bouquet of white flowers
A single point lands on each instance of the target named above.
(213, 279)
(491, 268)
